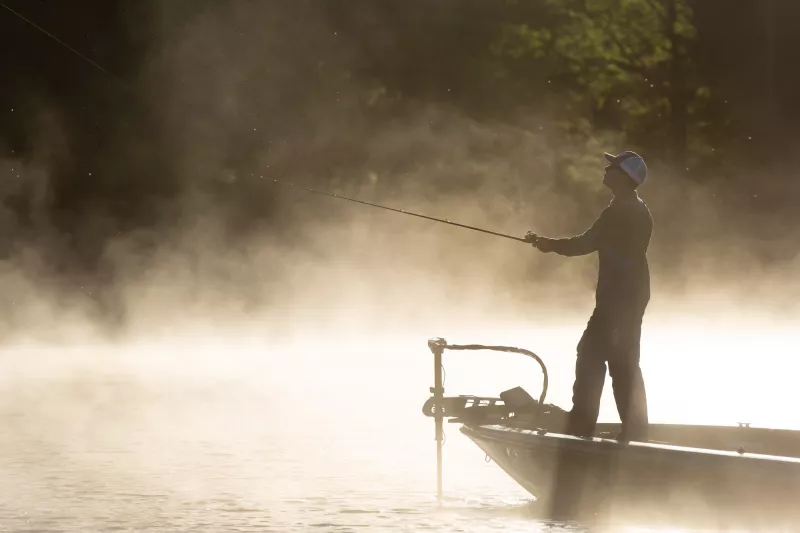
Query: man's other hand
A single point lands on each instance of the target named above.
(531, 237)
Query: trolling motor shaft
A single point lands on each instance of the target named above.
(437, 346)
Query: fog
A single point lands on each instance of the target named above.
(234, 104)
(237, 96)
(194, 297)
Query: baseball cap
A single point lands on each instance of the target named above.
(632, 163)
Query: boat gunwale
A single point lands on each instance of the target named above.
(554, 440)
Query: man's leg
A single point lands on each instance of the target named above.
(628, 383)
(590, 376)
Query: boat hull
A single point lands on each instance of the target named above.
(572, 477)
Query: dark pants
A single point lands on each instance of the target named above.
(612, 337)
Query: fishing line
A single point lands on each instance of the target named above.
(59, 41)
(402, 211)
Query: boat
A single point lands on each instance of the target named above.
(733, 474)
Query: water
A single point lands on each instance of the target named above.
(177, 463)
(222, 435)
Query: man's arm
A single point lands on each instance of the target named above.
(585, 243)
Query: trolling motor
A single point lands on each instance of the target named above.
(515, 407)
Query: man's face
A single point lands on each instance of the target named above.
(613, 175)
(608, 175)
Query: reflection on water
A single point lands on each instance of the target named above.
(240, 435)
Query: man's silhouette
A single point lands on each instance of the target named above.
(620, 236)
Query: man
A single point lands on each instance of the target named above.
(621, 236)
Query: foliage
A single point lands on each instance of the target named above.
(608, 65)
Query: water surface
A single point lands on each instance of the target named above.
(236, 434)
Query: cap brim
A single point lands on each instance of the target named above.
(611, 157)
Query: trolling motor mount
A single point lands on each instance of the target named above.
(472, 409)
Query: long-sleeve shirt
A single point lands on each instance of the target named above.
(620, 235)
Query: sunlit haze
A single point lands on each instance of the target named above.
(191, 341)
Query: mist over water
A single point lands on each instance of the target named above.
(188, 346)
(232, 429)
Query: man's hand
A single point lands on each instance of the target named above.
(543, 244)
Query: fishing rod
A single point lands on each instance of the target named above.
(402, 211)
